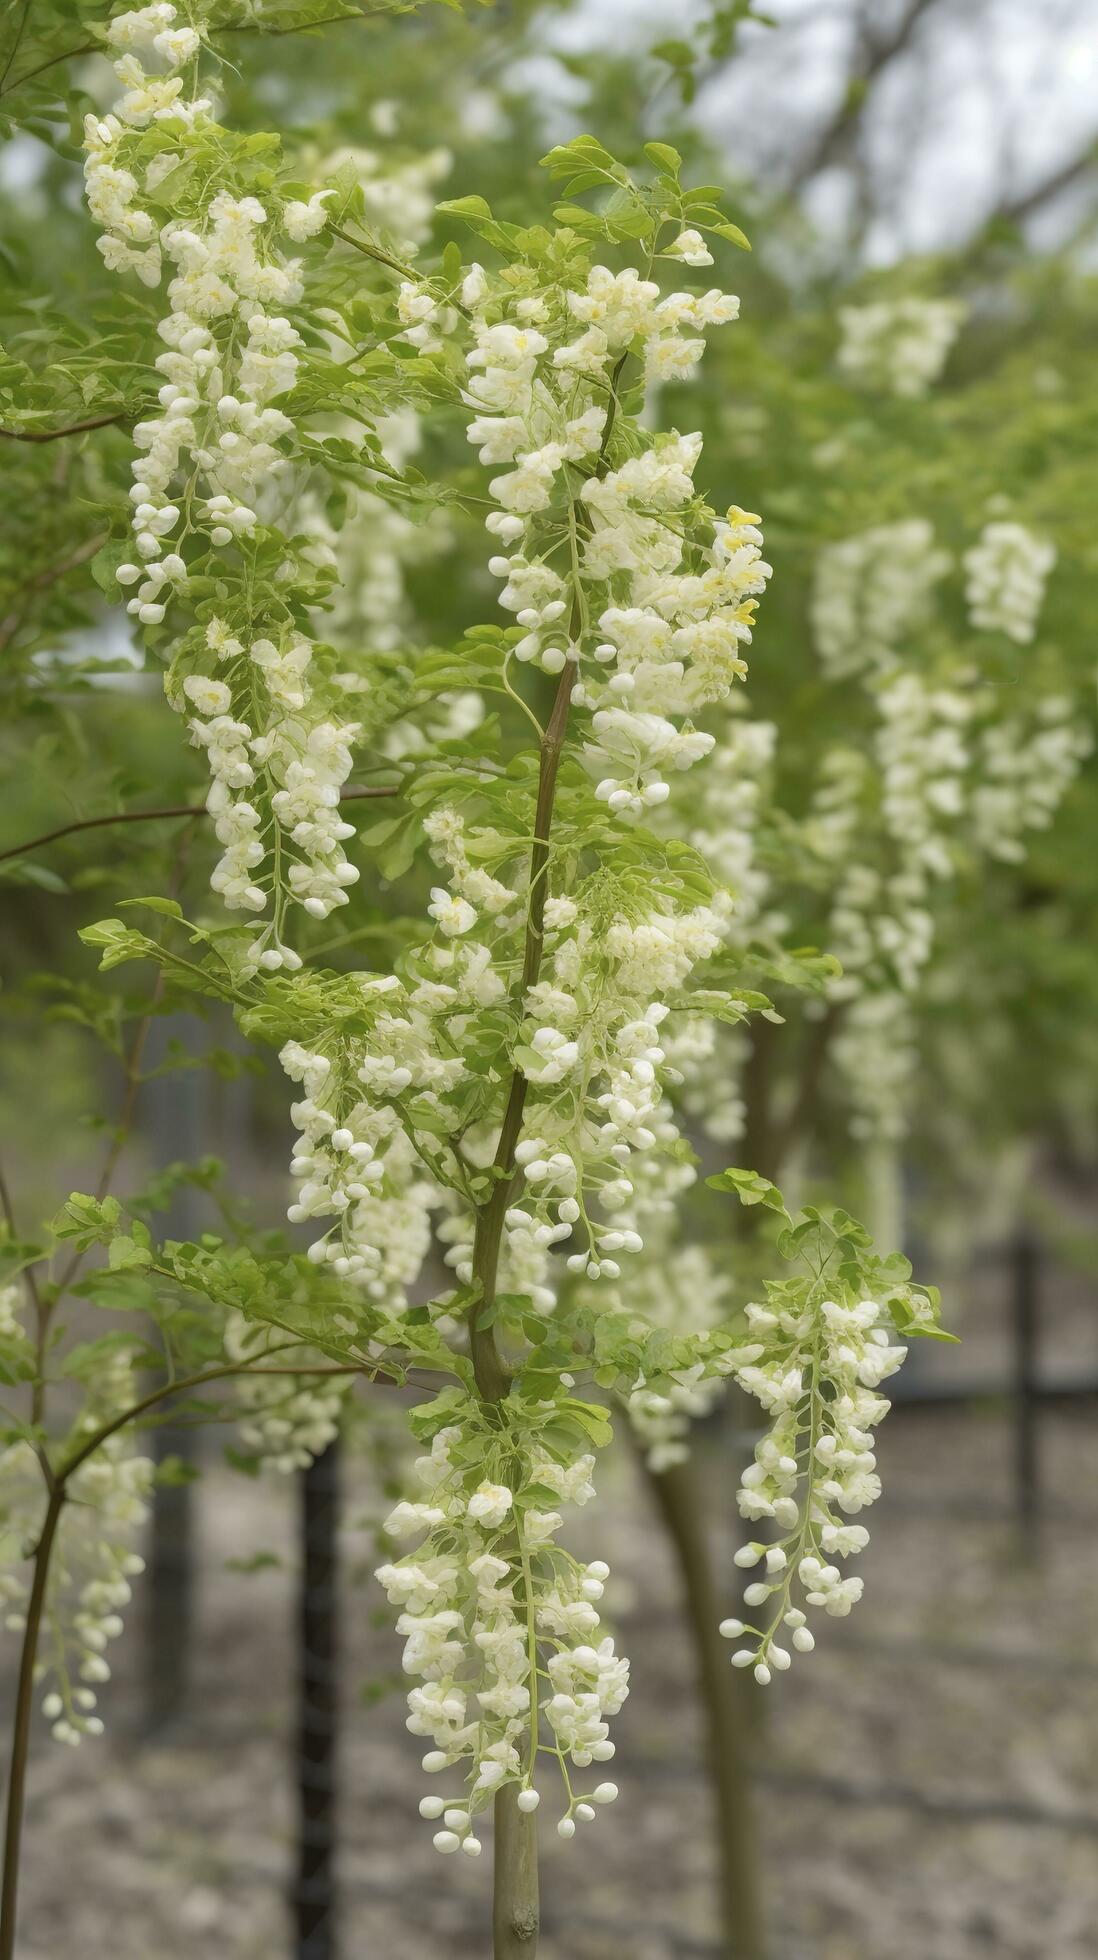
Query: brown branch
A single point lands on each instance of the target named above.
(20, 1739)
(74, 429)
(169, 811)
(41, 582)
(169, 1390)
(873, 57)
(1016, 210)
(14, 49)
(100, 47)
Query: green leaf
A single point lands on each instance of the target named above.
(168, 907)
(750, 1188)
(125, 1252)
(469, 208)
(664, 156)
(733, 234)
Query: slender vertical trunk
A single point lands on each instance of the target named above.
(516, 1916)
(20, 1735)
(315, 1897)
(724, 1701)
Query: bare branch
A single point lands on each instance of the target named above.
(55, 435)
(41, 582)
(873, 56)
(1016, 210)
(170, 810)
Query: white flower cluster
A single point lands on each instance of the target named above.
(286, 1420)
(93, 1558)
(217, 458)
(922, 758)
(898, 347)
(596, 1028)
(679, 1288)
(815, 1367)
(1006, 572)
(398, 193)
(645, 620)
(355, 1166)
(948, 779)
(1025, 768)
(723, 817)
(502, 1633)
(369, 556)
(591, 1046)
(722, 821)
(652, 623)
(872, 592)
(876, 1055)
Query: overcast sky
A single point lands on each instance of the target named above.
(989, 98)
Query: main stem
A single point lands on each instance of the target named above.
(516, 1914)
(20, 1739)
(724, 1704)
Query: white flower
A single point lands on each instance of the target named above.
(490, 1504)
(455, 915)
(210, 697)
(301, 220)
(690, 247)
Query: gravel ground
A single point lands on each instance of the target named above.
(925, 1781)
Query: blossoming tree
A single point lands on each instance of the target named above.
(510, 1085)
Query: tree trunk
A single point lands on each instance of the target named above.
(21, 1724)
(724, 1699)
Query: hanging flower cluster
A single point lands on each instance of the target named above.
(286, 1420)
(819, 1349)
(1025, 768)
(501, 1627)
(649, 609)
(218, 471)
(354, 1164)
(945, 780)
(679, 1288)
(545, 365)
(1007, 569)
(898, 347)
(873, 592)
(93, 1558)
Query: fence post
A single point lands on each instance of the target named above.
(1025, 1264)
(318, 1710)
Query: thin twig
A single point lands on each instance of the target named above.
(170, 810)
(10, 625)
(100, 47)
(872, 59)
(14, 49)
(73, 429)
(1015, 210)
